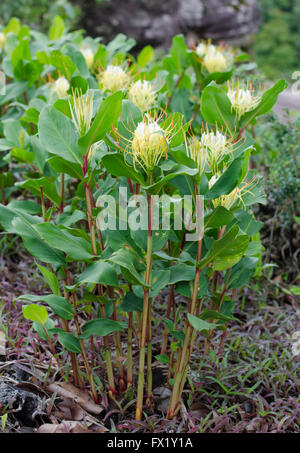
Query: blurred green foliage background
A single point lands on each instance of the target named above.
(276, 47)
(39, 14)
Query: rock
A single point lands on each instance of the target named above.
(25, 405)
(162, 395)
(155, 22)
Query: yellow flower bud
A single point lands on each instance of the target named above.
(88, 56)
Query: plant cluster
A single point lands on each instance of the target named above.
(83, 125)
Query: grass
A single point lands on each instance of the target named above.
(252, 387)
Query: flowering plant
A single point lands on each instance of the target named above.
(88, 125)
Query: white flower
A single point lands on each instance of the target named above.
(82, 111)
(197, 152)
(142, 94)
(61, 86)
(148, 145)
(88, 56)
(204, 48)
(217, 146)
(242, 98)
(114, 78)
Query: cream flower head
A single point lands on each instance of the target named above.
(217, 146)
(204, 47)
(82, 111)
(149, 144)
(114, 78)
(215, 61)
(142, 94)
(242, 97)
(60, 87)
(88, 56)
(196, 151)
(214, 58)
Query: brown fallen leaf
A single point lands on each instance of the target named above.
(2, 343)
(67, 390)
(64, 427)
(68, 409)
(71, 427)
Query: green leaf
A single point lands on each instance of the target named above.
(229, 179)
(247, 222)
(199, 324)
(159, 238)
(22, 155)
(76, 248)
(35, 312)
(217, 77)
(176, 170)
(182, 272)
(100, 57)
(216, 108)
(62, 166)
(49, 324)
(79, 60)
(34, 242)
(99, 272)
(58, 134)
(179, 53)
(100, 327)
(130, 117)
(51, 279)
(131, 303)
(79, 83)
(218, 217)
(63, 106)
(116, 165)
(13, 26)
(215, 315)
(227, 251)
(63, 63)
(145, 56)
(107, 117)
(58, 304)
(69, 341)
(163, 358)
(49, 189)
(242, 272)
(57, 28)
(126, 259)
